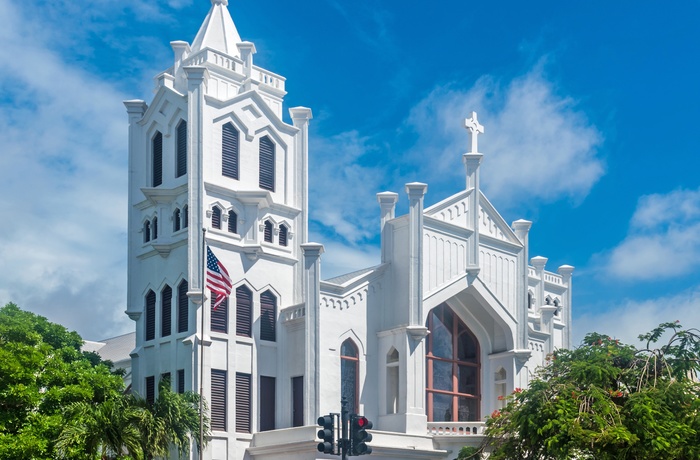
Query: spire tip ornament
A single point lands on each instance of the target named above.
(475, 128)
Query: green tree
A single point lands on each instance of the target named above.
(607, 400)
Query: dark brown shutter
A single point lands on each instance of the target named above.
(147, 231)
(267, 403)
(181, 149)
(243, 398)
(150, 390)
(157, 178)
(176, 220)
(298, 401)
(183, 307)
(244, 311)
(218, 400)
(229, 151)
(268, 316)
(180, 380)
(150, 315)
(219, 316)
(166, 297)
(216, 218)
(267, 164)
(268, 231)
(283, 235)
(186, 217)
(232, 222)
(154, 228)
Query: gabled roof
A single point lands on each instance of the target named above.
(114, 349)
(218, 31)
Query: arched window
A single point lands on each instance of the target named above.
(453, 362)
(157, 170)
(284, 232)
(349, 374)
(268, 316)
(185, 216)
(176, 220)
(392, 381)
(183, 307)
(216, 218)
(154, 228)
(150, 315)
(232, 222)
(229, 151)
(166, 298)
(181, 167)
(147, 231)
(267, 235)
(500, 387)
(267, 164)
(244, 311)
(530, 300)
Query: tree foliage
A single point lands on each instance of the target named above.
(607, 400)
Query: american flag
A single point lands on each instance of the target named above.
(217, 278)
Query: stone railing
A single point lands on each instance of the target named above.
(456, 428)
(293, 312)
(236, 65)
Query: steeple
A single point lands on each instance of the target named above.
(218, 31)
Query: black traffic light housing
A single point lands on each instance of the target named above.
(359, 437)
(326, 434)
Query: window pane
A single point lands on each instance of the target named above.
(442, 408)
(348, 383)
(467, 348)
(442, 376)
(468, 380)
(267, 403)
(441, 337)
(468, 410)
(348, 349)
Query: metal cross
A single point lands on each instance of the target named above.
(474, 128)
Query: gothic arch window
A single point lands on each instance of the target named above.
(154, 229)
(349, 374)
(147, 231)
(267, 232)
(283, 236)
(392, 381)
(454, 368)
(244, 311)
(183, 307)
(229, 151)
(185, 216)
(176, 220)
(500, 383)
(216, 218)
(157, 157)
(181, 156)
(530, 300)
(166, 298)
(267, 164)
(548, 300)
(150, 315)
(557, 302)
(219, 315)
(268, 316)
(232, 222)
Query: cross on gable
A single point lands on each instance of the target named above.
(474, 128)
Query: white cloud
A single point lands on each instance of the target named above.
(634, 317)
(536, 145)
(663, 240)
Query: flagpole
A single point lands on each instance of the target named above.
(201, 348)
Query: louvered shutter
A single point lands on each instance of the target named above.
(229, 151)
(150, 389)
(186, 216)
(150, 315)
(147, 231)
(180, 380)
(181, 149)
(218, 400)
(243, 399)
(267, 164)
(219, 316)
(244, 311)
(154, 228)
(176, 220)
(232, 222)
(268, 231)
(283, 235)
(268, 316)
(183, 307)
(267, 403)
(157, 160)
(166, 297)
(216, 218)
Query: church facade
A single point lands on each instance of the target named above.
(455, 316)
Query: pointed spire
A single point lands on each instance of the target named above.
(218, 31)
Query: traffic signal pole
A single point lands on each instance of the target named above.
(349, 438)
(344, 441)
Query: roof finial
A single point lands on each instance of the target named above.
(219, 2)
(474, 128)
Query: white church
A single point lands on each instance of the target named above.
(455, 315)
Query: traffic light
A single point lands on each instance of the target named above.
(359, 436)
(327, 434)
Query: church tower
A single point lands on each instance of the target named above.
(211, 163)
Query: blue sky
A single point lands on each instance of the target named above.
(590, 114)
